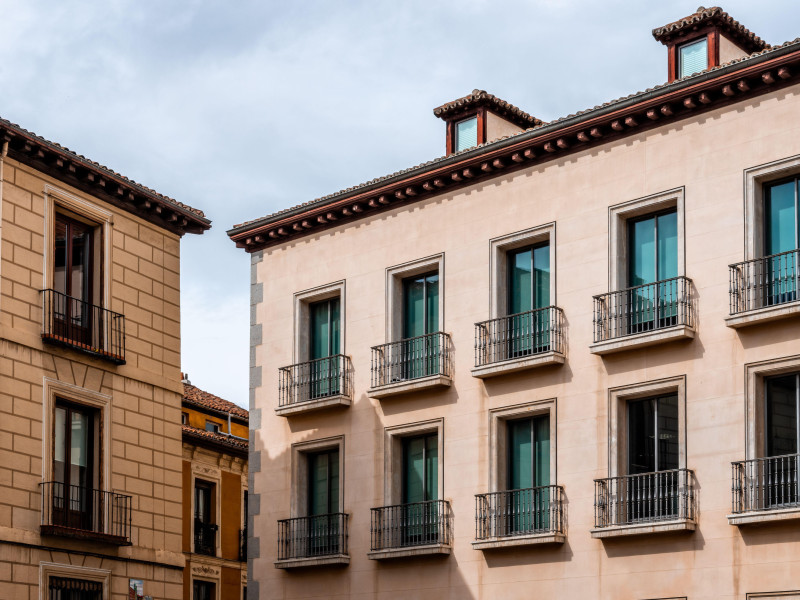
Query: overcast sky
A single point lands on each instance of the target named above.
(243, 107)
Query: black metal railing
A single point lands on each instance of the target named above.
(415, 524)
(308, 537)
(764, 282)
(76, 511)
(519, 335)
(644, 498)
(315, 379)
(78, 324)
(766, 483)
(648, 307)
(68, 588)
(521, 512)
(411, 358)
(205, 538)
(243, 545)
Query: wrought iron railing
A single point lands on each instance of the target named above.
(521, 512)
(205, 538)
(315, 379)
(644, 498)
(243, 545)
(307, 537)
(766, 483)
(519, 335)
(76, 511)
(648, 307)
(71, 322)
(69, 588)
(411, 358)
(415, 524)
(764, 282)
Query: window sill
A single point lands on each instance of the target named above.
(763, 315)
(408, 386)
(764, 516)
(66, 342)
(314, 561)
(641, 340)
(82, 534)
(549, 537)
(389, 553)
(307, 406)
(518, 364)
(675, 525)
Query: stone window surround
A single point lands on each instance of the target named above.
(618, 216)
(394, 292)
(55, 198)
(213, 475)
(53, 389)
(300, 452)
(48, 569)
(209, 573)
(755, 398)
(618, 398)
(498, 418)
(393, 457)
(302, 316)
(498, 265)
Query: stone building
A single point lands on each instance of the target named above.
(561, 361)
(214, 496)
(90, 388)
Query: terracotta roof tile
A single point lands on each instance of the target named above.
(715, 15)
(216, 438)
(482, 98)
(196, 396)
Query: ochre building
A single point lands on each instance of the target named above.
(562, 361)
(90, 387)
(214, 496)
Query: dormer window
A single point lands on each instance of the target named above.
(466, 134)
(693, 57)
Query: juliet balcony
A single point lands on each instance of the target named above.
(764, 289)
(85, 513)
(643, 315)
(315, 385)
(415, 529)
(412, 364)
(765, 489)
(521, 341)
(205, 538)
(646, 503)
(519, 518)
(76, 324)
(312, 541)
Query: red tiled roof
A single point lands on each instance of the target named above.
(196, 396)
(220, 439)
(482, 98)
(714, 15)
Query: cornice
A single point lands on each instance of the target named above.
(682, 99)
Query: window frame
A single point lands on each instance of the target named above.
(302, 317)
(755, 399)
(300, 469)
(394, 292)
(679, 56)
(473, 117)
(210, 474)
(393, 457)
(52, 569)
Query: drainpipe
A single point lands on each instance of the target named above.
(229, 424)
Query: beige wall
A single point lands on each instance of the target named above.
(497, 127)
(706, 155)
(729, 51)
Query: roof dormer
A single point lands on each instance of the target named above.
(480, 118)
(706, 39)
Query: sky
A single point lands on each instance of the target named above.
(244, 107)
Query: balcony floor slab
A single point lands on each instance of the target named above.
(762, 517)
(549, 537)
(409, 551)
(672, 526)
(307, 406)
(518, 364)
(313, 561)
(641, 340)
(763, 315)
(409, 385)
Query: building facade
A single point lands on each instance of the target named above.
(214, 496)
(562, 360)
(90, 389)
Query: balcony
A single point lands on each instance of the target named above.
(205, 538)
(644, 315)
(85, 327)
(659, 502)
(418, 363)
(85, 513)
(315, 385)
(243, 545)
(312, 541)
(416, 529)
(517, 342)
(765, 489)
(764, 289)
(519, 518)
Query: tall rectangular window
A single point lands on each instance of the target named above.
(466, 134)
(323, 502)
(782, 440)
(73, 279)
(74, 467)
(203, 590)
(325, 334)
(205, 530)
(420, 487)
(692, 58)
(420, 352)
(528, 472)
(528, 290)
(782, 240)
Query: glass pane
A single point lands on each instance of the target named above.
(335, 326)
(79, 449)
(79, 286)
(413, 307)
(642, 252)
(693, 58)
(414, 470)
(60, 259)
(541, 268)
(541, 451)
(667, 246)
(780, 219)
(432, 303)
(782, 415)
(320, 329)
(466, 134)
(333, 469)
(431, 467)
(519, 294)
(667, 429)
(520, 466)
(641, 437)
(318, 484)
(60, 450)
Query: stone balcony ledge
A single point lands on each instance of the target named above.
(646, 528)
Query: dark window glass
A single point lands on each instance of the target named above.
(419, 356)
(528, 442)
(64, 588)
(324, 374)
(205, 530)
(653, 435)
(211, 426)
(782, 414)
(73, 465)
(323, 482)
(202, 590)
(420, 468)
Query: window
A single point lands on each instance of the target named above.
(323, 502)
(64, 588)
(212, 427)
(420, 488)
(466, 133)
(528, 474)
(693, 57)
(203, 590)
(184, 418)
(781, 240)
(528, 290)
(205, 531)
(324, 343)
(73, 279)
(782, 440)
(75, 469)
(420, 350)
